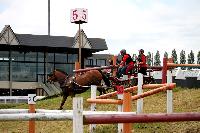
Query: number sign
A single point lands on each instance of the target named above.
(79, 15)
(31, 98)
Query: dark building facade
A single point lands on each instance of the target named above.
(26, 59)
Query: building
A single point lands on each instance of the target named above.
(26, 59)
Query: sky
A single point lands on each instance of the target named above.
(152, 25)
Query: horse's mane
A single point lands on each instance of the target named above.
(62, 71)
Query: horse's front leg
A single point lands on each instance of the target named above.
(63, 102)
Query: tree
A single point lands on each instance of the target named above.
(149, 59)
(191, 58)
(134, 57)
(157, 59)
(182, 58)
(166, 55)
(174, 56)
(198, 58)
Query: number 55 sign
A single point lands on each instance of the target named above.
(79, 15)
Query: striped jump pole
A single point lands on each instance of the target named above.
(93, 105)
(95, 68)
(31, 103)
(130, 89)
(142, 118)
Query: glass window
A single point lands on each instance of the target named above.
(50, 57)
(31, 56)
(40, 57)
(17, 56)
(72, 58)
(61, 67)
(4, 55)
(101, 62)
(4, 71)
(60, 58)
(23, 71)
(40, 68)
(89, 62)
(50, 68)
(70, 68)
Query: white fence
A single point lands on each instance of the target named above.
(16, 99)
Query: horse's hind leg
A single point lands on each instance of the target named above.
(63, 102)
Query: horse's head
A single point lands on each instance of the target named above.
(57, 76)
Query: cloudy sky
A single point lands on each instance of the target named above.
(125, 24)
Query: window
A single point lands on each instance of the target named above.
(4, 71)
(40, 57)
(89, 62)
(31, 56)
(101, 62)
(50, 57)
(70, 68)
(60, 58)
(72, 58)
(17, 56)
(50, 68)
(23, 71)
(61, 67)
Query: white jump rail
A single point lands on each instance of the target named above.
(17, 98)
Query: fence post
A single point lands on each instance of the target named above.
(120, 91)
(140, 91)
(127, 108)
(169, 93)
(77, 66)
(31, 103)
(114, 63)
(93, 105)
(77, 115)
(164, 70)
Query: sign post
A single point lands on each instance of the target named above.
(31, 102)
(79, 16)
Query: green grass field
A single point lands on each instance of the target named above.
(184, 100)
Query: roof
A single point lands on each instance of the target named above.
(57, 41)
(101, 56)
(94, 44)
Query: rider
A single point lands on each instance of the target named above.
(126, 64)
(142, 65)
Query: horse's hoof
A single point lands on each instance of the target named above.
(60, 108)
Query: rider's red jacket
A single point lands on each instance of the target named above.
(142, 61)
(126, 60)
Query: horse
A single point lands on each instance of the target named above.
(72, 85)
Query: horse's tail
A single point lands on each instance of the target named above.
(105, 78)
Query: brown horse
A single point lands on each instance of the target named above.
(77, 84)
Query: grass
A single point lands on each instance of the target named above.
(184, 100)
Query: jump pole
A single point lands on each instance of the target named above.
(93, 105)
(78, 115)
(120, 91)
(130, 89)
(164, 71)
(127, 108)
(31, 103)
(140, 91)
(114, 63)
(169, 93)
